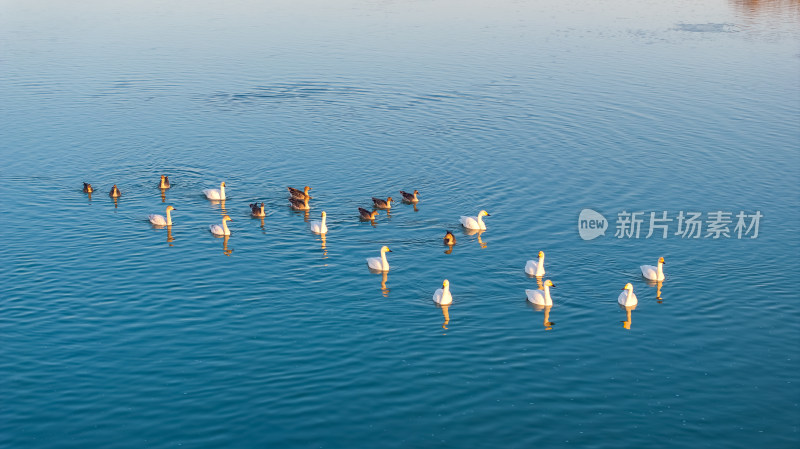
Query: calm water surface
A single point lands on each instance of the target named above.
(116, 334)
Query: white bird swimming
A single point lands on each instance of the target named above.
(442, 295)
(214, 194)
(475, 222)
(627, 298)
(536, 268)
(319, 226)
(654, 273)
(379, 263)
(159, 220)
(541, 297)
(221, 229)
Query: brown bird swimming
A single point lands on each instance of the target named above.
(114, 192)
(381, 204)
(87, 188)
(299, 204)
(367, 215)
(299, 194)
(164, 184)
(449, 239)
(410, 197)
(256, 210)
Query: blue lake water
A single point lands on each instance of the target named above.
(118, 335)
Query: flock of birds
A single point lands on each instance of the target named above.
(299, 200)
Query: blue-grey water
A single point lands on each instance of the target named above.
(115, 334)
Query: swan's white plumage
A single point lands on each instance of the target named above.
(541, 297)
(319, 226)
(654, 273)
(215, 194)
(379, 263)
(442, 295)
(627, 298)
(159, 220)
(534, 267)
(221, 229)
(474, 222)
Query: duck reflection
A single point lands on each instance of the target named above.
(449, 240)
(365, 215)
(116, 201)
(658, 285)
(477, 232)
(163, 195)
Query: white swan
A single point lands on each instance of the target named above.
(541, 297)
(654, 273)
(379, 263)
(475, 222)
(221, 229)
(159, 220)
(627, 298)
(319, 226)
(214, 194)
(536, 268)
(442, 295)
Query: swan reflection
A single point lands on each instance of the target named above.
(446, 314)
(548, 325)
(221, 204)
(170, 239)
(384, 289)
(658, 285)
(627, 323)
(384, 279)
(225, 249)
(477, 232)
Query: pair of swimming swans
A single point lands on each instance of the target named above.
(441, 296)
(542, 296)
